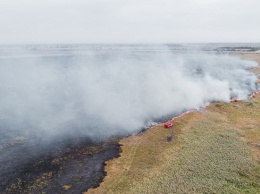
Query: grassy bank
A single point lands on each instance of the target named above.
(216, 150)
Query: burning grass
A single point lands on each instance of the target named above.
(213, 151)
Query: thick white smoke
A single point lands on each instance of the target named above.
(105, 94)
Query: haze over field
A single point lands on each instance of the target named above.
(100, 92)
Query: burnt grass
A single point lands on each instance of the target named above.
(72, 166)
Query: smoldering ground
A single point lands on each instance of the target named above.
(99, 93)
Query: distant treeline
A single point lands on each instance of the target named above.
(247, 48)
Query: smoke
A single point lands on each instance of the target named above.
(106, 93)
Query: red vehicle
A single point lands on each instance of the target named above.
(168, 125)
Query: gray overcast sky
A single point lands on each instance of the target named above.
(129, 21)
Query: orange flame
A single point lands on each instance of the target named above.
(206, 105)
(253, 94)
(182, 114)
(235, 100)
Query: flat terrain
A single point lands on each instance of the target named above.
(252, 56)
(71, 166)
(215, 150)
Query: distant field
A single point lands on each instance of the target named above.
(253, 56)
(216, 150)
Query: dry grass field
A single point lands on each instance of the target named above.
(215, 150)
(252, 56)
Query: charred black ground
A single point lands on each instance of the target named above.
(68, 165)
(71, 166)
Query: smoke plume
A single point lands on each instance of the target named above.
(97, 94)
